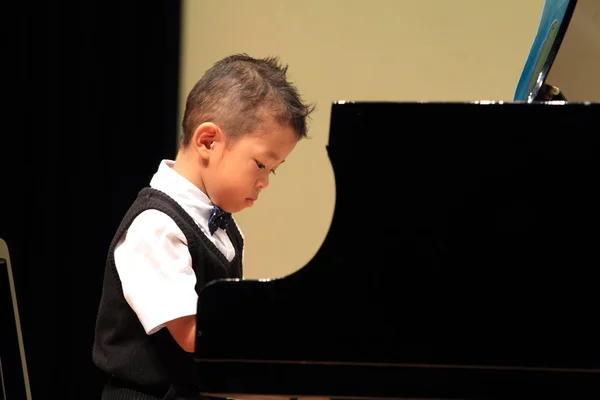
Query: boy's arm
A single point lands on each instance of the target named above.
(158, 282)
(183, 331)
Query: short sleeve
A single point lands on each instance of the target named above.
(155, 269)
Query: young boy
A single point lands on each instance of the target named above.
(242, 119)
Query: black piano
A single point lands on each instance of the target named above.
(461, 260)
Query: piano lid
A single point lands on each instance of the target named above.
(565, 54)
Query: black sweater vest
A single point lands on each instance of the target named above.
(121, 347)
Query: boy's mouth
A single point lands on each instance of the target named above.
(250, 201)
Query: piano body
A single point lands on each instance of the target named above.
(468, 273)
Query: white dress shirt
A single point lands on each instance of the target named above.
(152, 257)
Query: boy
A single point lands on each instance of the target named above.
(242, 119)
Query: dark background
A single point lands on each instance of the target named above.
(91, 110)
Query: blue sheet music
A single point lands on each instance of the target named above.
(552, 17)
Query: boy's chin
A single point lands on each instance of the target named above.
(234, 208)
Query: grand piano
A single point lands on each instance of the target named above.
(469, 272)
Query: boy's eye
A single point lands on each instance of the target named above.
(262, 166)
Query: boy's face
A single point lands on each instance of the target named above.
(237, 172)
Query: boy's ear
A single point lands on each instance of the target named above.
(204, 137)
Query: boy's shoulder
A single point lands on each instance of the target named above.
(153, 209)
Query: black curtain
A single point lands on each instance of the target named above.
(92, 111)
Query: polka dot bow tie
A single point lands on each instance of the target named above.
(218, 219)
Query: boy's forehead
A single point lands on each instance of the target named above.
(274, 140)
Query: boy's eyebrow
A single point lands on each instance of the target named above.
(273, 155)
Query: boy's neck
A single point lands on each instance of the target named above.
(187, 166)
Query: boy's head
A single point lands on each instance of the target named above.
(241, 120)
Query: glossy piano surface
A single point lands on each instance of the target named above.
(460, 263)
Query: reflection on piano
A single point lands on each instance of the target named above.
(469, 274)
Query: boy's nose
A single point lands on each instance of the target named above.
(263, 183)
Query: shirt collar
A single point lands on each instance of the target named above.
(193, 200)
